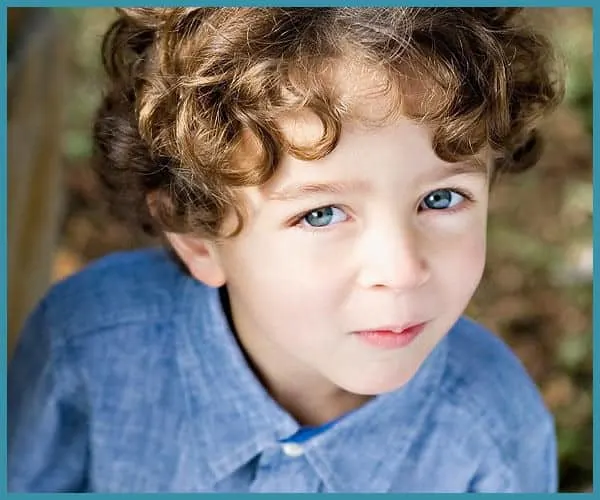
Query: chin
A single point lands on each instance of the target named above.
(375, 385)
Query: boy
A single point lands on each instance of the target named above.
(321, 178)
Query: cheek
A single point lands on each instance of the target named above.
(472, 254)
(460, 263)
(301, 282)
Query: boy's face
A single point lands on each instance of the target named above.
(380, 234)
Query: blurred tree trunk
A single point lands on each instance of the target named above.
(35, 88)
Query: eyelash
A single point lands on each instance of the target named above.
(297, 221)
(468, 199)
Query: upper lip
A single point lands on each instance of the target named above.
(393, 328)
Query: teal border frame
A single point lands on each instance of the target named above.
(292, 3)
(300, 3)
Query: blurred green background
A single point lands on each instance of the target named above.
(537, 291)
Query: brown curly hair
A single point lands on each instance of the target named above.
(192, 91)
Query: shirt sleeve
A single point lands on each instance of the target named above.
(47, 422)
(528, 465)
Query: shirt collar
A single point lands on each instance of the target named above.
(234, 418)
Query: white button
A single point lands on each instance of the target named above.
(292, 449)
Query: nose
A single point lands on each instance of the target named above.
(393, 259)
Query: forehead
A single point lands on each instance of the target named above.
(400, 151)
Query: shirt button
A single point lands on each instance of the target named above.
(292, 449)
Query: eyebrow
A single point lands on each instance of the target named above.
(297, 191)
(470, 167)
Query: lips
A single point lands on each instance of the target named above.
(395, 329)
(391, 336)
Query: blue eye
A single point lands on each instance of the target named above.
(324, 216)
(441, 199)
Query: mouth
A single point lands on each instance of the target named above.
(391, 336)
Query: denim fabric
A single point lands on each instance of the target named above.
(127, 378)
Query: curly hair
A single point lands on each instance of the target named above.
(193, 91)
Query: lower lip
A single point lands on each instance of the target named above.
(387, 339)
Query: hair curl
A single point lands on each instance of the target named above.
(190, 88)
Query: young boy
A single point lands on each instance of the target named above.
(321, 178)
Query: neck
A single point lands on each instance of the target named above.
(306, 395)
(309, 402)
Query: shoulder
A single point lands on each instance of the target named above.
(488, 385)
(498, 417)
(483, 366)
(131, 287)
(118, 319)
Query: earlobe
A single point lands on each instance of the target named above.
(200, 257)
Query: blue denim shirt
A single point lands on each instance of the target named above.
(127, 378)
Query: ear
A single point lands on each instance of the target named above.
(200, 257)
